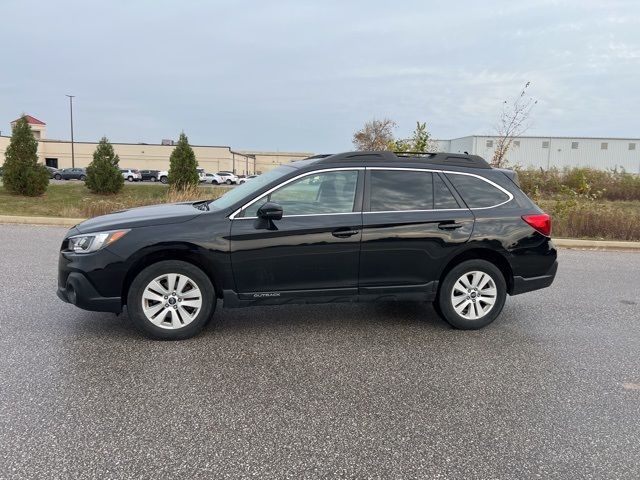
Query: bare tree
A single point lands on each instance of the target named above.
(375, 135)
(514, 121)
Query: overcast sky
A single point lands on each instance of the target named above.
(303, 76)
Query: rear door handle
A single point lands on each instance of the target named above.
(344, 233)
(449, 225)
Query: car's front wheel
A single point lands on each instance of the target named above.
(83, 178)
(57, 176)
(228, 182)
(130, 178)
(171, 300)
(153, 179)
(164, 180)
(472, 294)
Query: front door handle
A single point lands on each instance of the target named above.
(344, 233)
(449, 225)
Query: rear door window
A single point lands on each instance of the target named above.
(476, 192)
(398, 190)
(442, 197)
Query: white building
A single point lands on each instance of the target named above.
(560, 152)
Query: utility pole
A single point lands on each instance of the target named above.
(233, 156)
(246, 165)
(73, 157)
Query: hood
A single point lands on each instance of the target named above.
(141, 217)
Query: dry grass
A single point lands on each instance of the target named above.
(596, 219)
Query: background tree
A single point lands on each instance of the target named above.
(420, 141)
(375, 135)
(514, 121)
(22, 174)
(183, 165)
(103, 174)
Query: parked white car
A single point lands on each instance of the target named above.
(228, 177)
(242, 180)
(131, 174)
(202, 176)
(163, 176)
(213, 179)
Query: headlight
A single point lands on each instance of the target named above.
(92, 242)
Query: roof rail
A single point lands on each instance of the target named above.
(435, 158)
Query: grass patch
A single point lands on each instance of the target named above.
(74, 200)
(593, 219)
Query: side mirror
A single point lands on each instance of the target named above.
(266, 214)
(270, 211)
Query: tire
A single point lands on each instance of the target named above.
(214, 182)
(164, 180)
(485, 290)
(228, 182)
(83, 178)
(175, 324)
(130, 179)
(57, 176)
(153, 179)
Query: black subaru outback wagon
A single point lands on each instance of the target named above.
(360, 226)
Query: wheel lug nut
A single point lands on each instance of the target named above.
(179, 299)
(175, 306)
(166, 296)
(166, 305)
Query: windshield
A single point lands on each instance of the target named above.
(246, 189)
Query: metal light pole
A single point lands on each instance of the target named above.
(73, 157)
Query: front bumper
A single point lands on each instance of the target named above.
(523, 285)
(78, 291)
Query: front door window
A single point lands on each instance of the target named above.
(314, 194)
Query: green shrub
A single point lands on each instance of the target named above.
(103, 174)
(22, 174)
(183, 172)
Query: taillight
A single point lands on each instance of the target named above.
(540, 221)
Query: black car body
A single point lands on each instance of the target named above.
(358, 226)
(149, 175)
(71, 174)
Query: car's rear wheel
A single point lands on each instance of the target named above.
(57, 176)
(171, 300)
(228, 182)
(153, 179)
(130, 178)
(472, 294)
(83, 178)
(214, 182)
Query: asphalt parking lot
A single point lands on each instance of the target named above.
(550, 390)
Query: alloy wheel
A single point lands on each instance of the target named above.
(171, 301)
(473, 295)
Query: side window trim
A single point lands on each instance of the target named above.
(236, 215)
(367, 200)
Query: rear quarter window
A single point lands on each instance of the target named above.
(477, 193)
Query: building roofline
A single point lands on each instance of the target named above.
(544, 137)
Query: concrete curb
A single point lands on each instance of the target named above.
(559, 242)
(52, 221)
(596, 244)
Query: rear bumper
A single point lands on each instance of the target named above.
(79, 292)
(523, 285)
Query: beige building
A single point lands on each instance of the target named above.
(57, 153)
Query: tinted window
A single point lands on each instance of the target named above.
(442, 196)
(394, 190)
(476, 192)
(329, 192)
